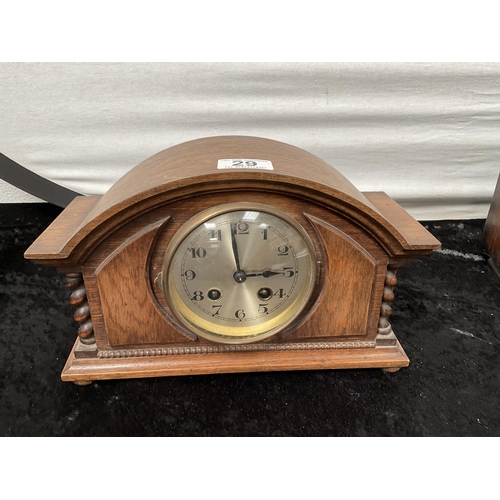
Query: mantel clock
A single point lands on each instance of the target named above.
(231, 254)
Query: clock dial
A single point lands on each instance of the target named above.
(239, 272)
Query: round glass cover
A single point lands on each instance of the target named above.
(239, 273)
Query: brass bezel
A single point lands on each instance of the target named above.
(278, 323)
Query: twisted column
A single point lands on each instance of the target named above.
(384, 327)
(78, 298)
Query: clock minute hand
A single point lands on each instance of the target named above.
(235, 249)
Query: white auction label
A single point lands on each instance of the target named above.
(245, 163)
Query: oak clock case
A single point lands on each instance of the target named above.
(231, 254)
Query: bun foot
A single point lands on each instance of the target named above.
(391, 370)
(82, 382)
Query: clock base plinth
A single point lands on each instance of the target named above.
(84, 370)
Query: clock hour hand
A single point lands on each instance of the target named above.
(265, 274)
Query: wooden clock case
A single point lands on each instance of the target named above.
(111, 250)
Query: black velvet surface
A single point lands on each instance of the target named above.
(446, 316)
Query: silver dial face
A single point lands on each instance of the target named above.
(239, 273)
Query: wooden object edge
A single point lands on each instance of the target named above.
(52, 242)
(408, 227)
(90, 369)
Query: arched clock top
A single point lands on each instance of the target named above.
(191, 169)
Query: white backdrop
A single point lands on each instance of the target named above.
(428, 134)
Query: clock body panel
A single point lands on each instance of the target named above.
(349, 311)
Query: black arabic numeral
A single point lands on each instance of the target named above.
(263, 309)
(283, 250)
(217, 309)
(215, 235)
(243, 228)
(190, 275)
(239, 228)
(198, 252)
(240, 314)
(287, 272)
(280, 293)
(197, 296)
